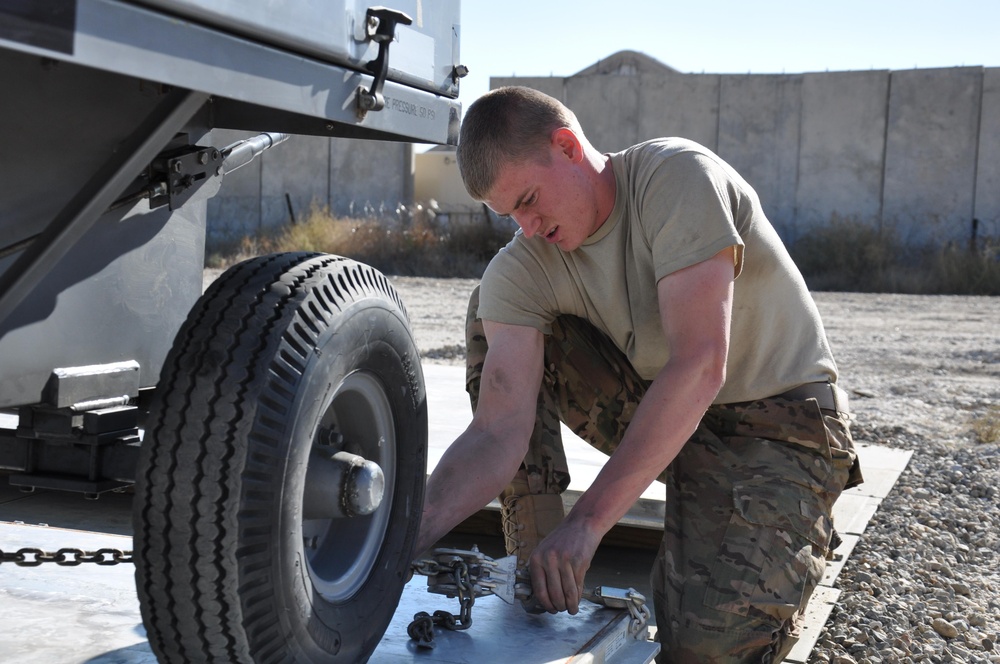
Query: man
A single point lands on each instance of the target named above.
(648, 303)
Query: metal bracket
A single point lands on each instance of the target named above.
(182, 171)
(380, 27)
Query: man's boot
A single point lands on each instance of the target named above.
(527, 517)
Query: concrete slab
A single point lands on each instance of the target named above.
(759, 118)
(931, 141)
(71, 615)
(680, 105)
(449, 413)
(817, 613)
(841, 148)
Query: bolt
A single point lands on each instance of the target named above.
(330, 437)
(177, 167)
(203, 158)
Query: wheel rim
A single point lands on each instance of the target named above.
(341, 552)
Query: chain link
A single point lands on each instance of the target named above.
(66, 557)
(421, 629)
(638, 611)
(450, 574)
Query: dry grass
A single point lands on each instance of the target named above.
(417, 246)
(986, 426)
(845, 255)
(851, 256)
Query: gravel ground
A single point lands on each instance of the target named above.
(923, 584)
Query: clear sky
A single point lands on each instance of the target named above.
(561, 37)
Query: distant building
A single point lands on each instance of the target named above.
(436, 177)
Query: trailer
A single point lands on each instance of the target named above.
(273, 429)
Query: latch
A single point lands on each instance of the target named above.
(471, 574)
(380, 27)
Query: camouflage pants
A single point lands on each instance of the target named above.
(748, 524)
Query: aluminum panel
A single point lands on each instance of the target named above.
(335, 31)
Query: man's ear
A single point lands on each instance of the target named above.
(568, 143)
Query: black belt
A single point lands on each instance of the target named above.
(828, 395)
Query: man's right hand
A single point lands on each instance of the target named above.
(559, 564)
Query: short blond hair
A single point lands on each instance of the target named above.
(507, 125)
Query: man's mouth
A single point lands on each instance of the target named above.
(551, 234)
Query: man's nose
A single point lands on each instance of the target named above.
(529, 223)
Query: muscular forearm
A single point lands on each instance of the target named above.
(472, 472)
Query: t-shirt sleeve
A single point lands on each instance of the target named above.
(687, 212)
(510, 293)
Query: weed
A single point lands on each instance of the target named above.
(412, 244)
(986, 426)
(844, 255)
(847, 255)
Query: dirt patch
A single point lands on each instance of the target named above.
(930, 364)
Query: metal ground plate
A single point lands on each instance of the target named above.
(90, 614)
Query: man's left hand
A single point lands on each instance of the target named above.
(558, 566)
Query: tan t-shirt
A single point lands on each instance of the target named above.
(676, 204)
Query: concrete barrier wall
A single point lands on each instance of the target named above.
(987, 207)
(930, 153)
(347, 176)
(759, 117)
(680, 105)
(841, 149)
(915, 151)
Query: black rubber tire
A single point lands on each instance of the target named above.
(280, 352)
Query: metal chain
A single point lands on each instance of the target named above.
(421, 629)
(67, 557)
(638, 611)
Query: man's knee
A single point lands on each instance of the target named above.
(723, 638)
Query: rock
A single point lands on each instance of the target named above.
(961, 589)
(944, 628)
(843, 659)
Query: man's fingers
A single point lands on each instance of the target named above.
(571, 592)
(539, 587)
(556, 593)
